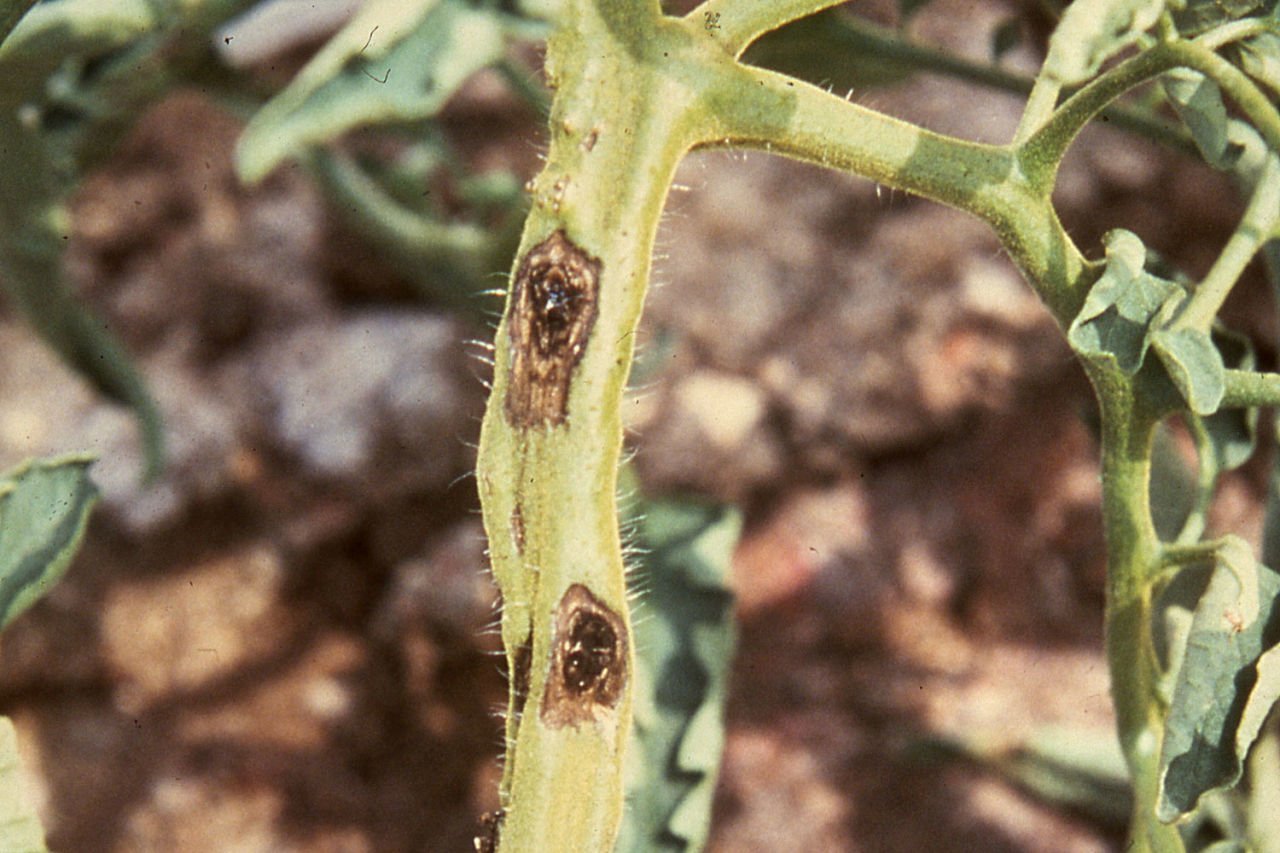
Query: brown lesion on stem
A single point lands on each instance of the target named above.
(486, 840)
(589, 661)
(517, 529)
(521, 661)
(553, 309)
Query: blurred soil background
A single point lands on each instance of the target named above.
(286, 643)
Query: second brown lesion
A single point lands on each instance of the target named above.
(517, 529)
(553, 309)
(589, 661)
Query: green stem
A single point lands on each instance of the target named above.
(548, 460)
(1039, 113)
(1234, 31)
(1044, 150)
(1133, 551)
(1127, 434)
(1182, 554)
(1249, 388)
(1256, 227)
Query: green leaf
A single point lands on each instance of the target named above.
(1217, 824)
(31, 229)
(448, 260)
(1220, 694)
(1233, 433)
(684, 641)
(1263, 806)
(44, 509)
(20, 830)
(1194, 365)
(834, 50)
(1173, 485)
(395, 61)
(1261, 700)
(1092, 31)
(76, 73)
(53, 32)
(86, 344)
(1198, 102)
(1193, 17)
(1077, 768)
(1123, 305)
(1173, 609)
(1259, 57)
(1224, 440)
(1236, 556)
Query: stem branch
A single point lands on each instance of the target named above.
(1249, 388)
(1043, 151)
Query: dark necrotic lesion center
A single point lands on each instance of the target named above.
(553, 309)
(558, 303)
(590, 652)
